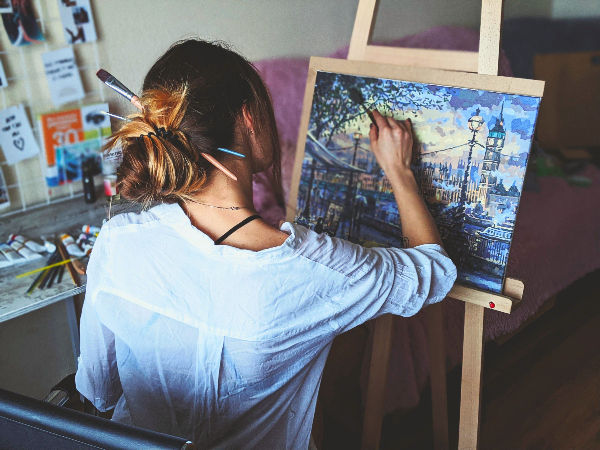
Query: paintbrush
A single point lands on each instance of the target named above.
(119, 87)
(357, 97)
(53, 257)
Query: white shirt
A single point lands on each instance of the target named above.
(225, 346)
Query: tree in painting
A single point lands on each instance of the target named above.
(334, 110)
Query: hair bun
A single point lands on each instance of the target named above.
(159, 162)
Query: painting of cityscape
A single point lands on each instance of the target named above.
(471, 153)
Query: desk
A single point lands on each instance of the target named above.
(48, 220)
(39, 331)
(67, 216)
(13, 300)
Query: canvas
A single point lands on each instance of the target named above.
(471, 151)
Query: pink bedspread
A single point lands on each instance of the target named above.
(556, 240)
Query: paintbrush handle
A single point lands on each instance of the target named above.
(53, 257)
(63, 252)
(219, 166)
(135, 101)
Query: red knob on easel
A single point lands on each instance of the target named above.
(492, 305)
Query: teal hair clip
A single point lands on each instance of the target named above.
(231, 152)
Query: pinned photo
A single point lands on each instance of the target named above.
(71, 158)
(69, 136)
(21, 25)
(77, 20)
(5, 6)
(3, 79)
(4, 198)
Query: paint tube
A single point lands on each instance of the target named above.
(25, 252)
(72, 248)
(86, 240)
(4, 261)
(90, 229)
(27, 242)
(50, 247)
(111, 160)
(9, 253)
(87, 247)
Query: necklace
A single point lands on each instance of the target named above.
(233, 208)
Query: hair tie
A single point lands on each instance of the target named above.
(165, 134)
(158, 132)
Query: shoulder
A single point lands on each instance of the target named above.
(119, 235)
(137, 223)
(122, 221)
(339, 255)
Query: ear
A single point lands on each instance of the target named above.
(247, 119)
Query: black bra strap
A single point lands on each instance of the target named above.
(237, 227)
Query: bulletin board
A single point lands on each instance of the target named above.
(26, 183)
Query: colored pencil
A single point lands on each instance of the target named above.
(60, 263)
(218, 165)
(231, 152)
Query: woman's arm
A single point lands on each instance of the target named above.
(392, 143)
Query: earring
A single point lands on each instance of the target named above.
(251, 131)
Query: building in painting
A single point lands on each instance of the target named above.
(491, 161)
(492, 244)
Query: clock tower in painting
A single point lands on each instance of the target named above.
(493, 147)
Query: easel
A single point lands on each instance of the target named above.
(483, 62)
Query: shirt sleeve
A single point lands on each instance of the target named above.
(97, 376)
(383, 280)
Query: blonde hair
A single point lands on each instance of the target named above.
(159, 162)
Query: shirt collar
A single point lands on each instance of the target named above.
(173, 215)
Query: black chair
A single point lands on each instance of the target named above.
(30, 423)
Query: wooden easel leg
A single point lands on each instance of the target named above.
(468, 431)
(434, 320)
(380, 358)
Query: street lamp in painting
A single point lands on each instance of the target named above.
(475, 123)
(350, 193)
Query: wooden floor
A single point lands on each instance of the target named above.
(541, 388)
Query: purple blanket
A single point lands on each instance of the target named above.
(556, 240)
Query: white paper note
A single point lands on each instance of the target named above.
(6, 6)
(77, 21)
(63, 76)
(16, 137)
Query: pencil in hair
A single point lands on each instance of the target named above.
(231, 152)
(219, 166)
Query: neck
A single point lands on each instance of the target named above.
(220, 190)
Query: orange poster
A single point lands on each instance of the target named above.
(64, 129)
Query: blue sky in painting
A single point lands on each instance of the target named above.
(448, 126)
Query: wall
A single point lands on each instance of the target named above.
(270, 28)
(133, 33)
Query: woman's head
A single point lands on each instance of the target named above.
(197, 97)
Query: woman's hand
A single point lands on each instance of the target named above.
(392, 144)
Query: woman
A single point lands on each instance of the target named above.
(225, 344)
